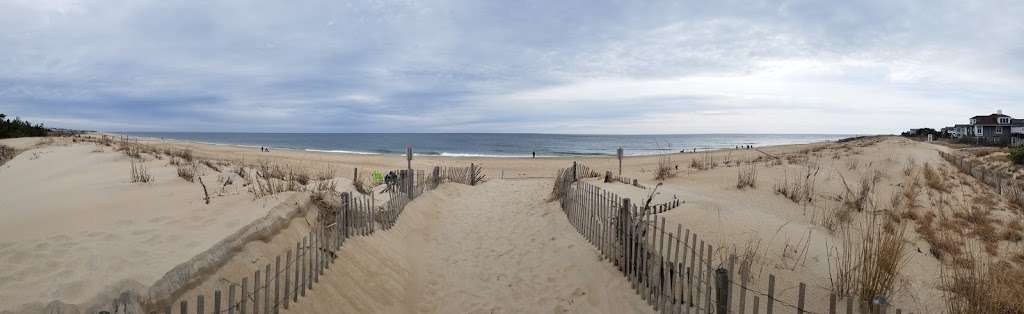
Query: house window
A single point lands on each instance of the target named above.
(974, 121)
(1004, 120)
(979, 131)
(999, 130)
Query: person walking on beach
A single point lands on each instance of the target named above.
(534, 155)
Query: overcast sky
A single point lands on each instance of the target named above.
(510, 66)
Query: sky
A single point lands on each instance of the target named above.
(608, 67)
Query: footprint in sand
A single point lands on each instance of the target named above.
(143, 232)
(160, 219)
(232, 224)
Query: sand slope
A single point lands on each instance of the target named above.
(73, 224)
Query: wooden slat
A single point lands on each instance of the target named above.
(287, 276)
(770, 301)
(800, 299)
(277, 284)
(231, 299)
(245, 296)
(216, 302)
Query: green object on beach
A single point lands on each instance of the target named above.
(377, 177)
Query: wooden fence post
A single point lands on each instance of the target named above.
(722, 290)
(216, 302)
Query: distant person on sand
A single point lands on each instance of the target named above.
(535, 155)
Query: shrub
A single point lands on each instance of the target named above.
(1017, 155)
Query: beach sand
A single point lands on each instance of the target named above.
(497, 247)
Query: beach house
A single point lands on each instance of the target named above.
(992, 129)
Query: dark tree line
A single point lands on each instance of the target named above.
(16, 127)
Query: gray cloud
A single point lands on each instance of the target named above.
(531, 66)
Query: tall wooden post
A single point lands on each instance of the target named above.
(722, 290)
(619, 154)
(624, 224)
(409, 176)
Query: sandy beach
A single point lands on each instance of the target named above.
(75, 227)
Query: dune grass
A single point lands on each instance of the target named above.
(867, 262)
(138, 172)
(747, 177)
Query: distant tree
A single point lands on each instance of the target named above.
(19, 128)
(923, 132)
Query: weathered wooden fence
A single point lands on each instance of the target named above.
(1003, 182)
(284, 282)
(674, 271)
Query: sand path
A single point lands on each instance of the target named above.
(501, 249)
(492, 248)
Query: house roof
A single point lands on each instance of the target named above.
(989, 119)
(961, 125)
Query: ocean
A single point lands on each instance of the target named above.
(492, 144)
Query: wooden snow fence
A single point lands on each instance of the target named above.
(673, 268)
(1002, 182)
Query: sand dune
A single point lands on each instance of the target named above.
(73, 224)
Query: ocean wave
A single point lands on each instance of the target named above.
(340, 151)
(445, 154)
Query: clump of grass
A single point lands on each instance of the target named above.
(6, 153)
(185, 154)
(211, 164)
(139, 173)
(910, 166)
(799, 186)
(859, 199)
(265, 169)
(868, 263)
(327, 173)
(361, 186)
(834, 218)
(705, 162)
(942, 244)
(664, 168)
(187, 171)
(978, 285)
(934, 179)
(106, 141)
(325, 186)
(747, 176)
